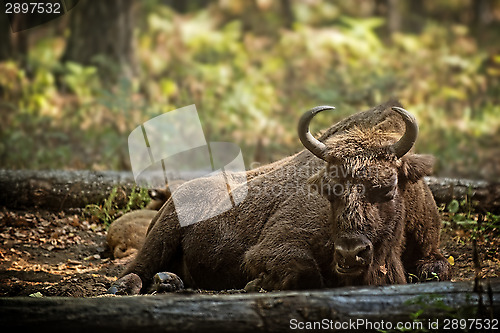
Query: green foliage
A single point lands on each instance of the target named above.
(462, 212)
(453, 206)
(106, 211)
(138, 199)
(412, 278)
(81, 80)
(251, 79)
(462, 216)
(112, 208)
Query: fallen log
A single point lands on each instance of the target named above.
(361, 308)
(486, 195)
(60, 190)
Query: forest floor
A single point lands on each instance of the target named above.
(62, 254)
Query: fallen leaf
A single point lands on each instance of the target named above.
(451, 260)
(74, 262)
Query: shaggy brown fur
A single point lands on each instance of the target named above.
(282, 235)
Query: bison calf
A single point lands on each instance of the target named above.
(126, 234)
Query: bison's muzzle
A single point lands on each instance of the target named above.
(353, 255)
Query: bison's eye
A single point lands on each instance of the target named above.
(381, 193)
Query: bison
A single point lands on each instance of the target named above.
(350, 209)
(126, 234)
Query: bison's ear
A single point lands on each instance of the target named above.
(414, 167)
(159, 194)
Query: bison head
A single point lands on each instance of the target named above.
(365, 179)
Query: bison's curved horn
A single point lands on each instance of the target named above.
(312, 144)
(408, 139)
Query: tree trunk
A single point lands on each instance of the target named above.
(415, 19)
(393, 16)
(13, 45)
(482, 10)
(5, 37)
(261, 312)
(287, 13)
(184, 7)
(102, 35)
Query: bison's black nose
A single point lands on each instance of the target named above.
(352, 254)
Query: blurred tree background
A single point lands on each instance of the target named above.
(71, 90)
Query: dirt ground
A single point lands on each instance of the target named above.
(62, 254)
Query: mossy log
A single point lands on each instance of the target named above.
(259, 312)
(485, 195)
(61, 190)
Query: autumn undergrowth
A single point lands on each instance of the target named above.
(471, 226)
(114, 206)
